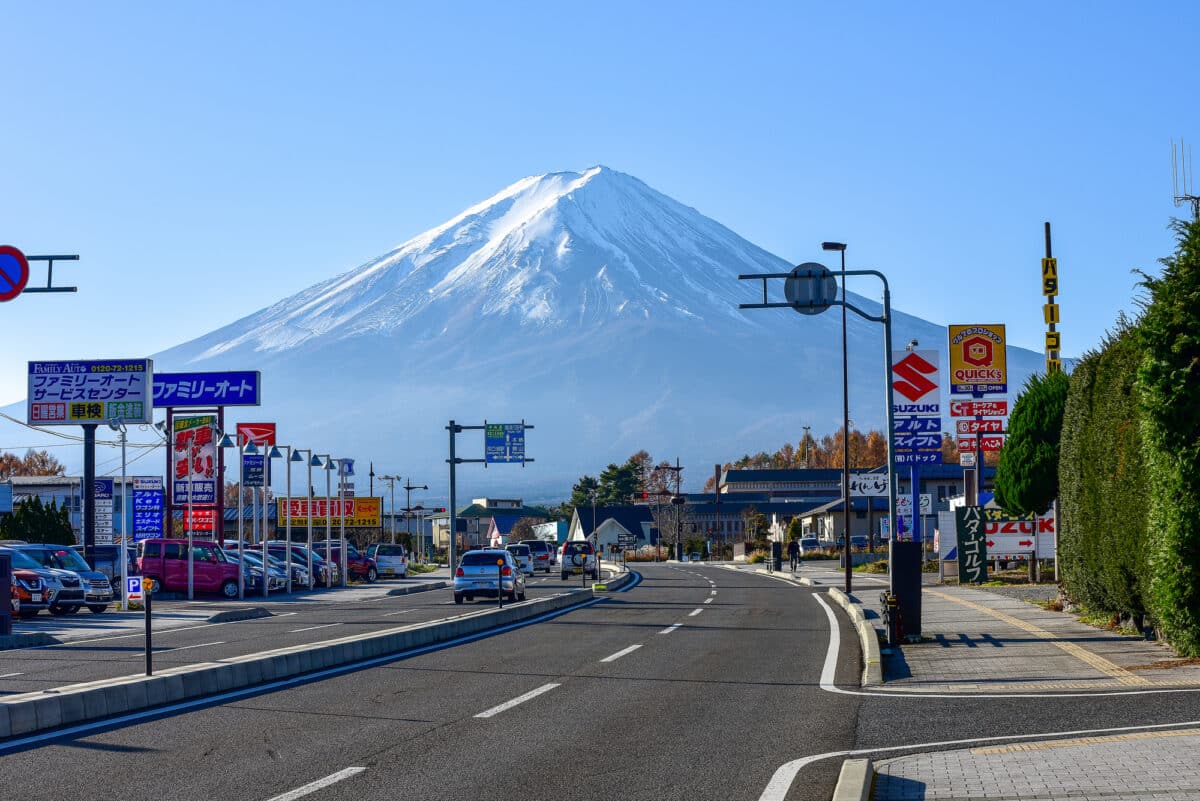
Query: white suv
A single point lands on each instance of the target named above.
(578, 557)
(543, 554)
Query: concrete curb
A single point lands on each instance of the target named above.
(621, 578)
(435, 585)
(872, 675)
(28, 713)
(249, 613)
(807, 582)
(27, 639)
(855, 781)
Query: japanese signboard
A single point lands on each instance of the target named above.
(978, 361)
(919, 457)
(990, 426)
(1008, 535)
(182, 390)
(918, 425)
(1051, 313)
(360, 512)
(194, 461)
(6, 498)
(966, 458)
(77, 393)
(202, 517)
(102, 510)
(972, 545)
(979, 408)
(147, 507)
(873, 485)
(253, 469)
(504, 442)
(993, 442)
(916, 386)
(904, 505)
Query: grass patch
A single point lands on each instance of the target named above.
(421, 568)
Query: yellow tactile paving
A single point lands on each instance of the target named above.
(1098, 662)
(1112, 738)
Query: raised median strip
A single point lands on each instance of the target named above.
(232, 615)
(854, 781)
(44, 710)
(433, 585)
(872, 674)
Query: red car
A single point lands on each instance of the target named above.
(29, 594)
(358, 565)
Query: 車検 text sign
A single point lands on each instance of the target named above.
(359, 512)
(978, 359)
(80, 393)
(504, 442)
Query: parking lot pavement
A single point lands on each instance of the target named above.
(1120, 767)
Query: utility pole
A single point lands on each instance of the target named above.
(408, 510)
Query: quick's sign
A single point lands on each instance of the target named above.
(978, 359)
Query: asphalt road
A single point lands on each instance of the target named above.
(110, 655)
(639, 696)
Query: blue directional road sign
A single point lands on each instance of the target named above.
(253, 469)
(504, 442)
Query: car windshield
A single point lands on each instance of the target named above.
(390, 550)
(62, 558)
(21, 561)
(519, 550)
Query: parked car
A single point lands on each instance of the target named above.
(523, 556)
(28, 593)
(165, 563)
(858, 542)
(324, 573)
(543, 554)
(358, 565)
(578, 557)
(392, 560)
(63, 590)
(105, 560)
(252, 571)
(97, 591)
(487, 573)
(809, 545)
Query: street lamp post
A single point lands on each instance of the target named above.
(343, 546)
(225, 441)
(116, 424)
(312, 461)
(408, 510)
(292, 456)
(840, 247)
(391, 480)
(327, 465)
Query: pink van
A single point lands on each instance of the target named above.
(165, 563)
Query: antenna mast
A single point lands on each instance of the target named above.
(1182, 181)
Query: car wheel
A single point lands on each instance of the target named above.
(564, 576)
(372, 574)
(229, 589)
(471, 598)
(97, 609)
(28, 614)
(522, 595)
(458, 598)
(512, 597)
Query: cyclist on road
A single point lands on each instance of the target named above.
(794, 554)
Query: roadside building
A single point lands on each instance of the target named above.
(66, 493)
(475, 522)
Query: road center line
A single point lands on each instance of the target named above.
(708, 600)
(695, 612)
(314, 628)
(401, 612)
(612, 658)
(714, 592)
(312, 787)
(185, 647)
(10, 675)
(669, 629)
(520, 699)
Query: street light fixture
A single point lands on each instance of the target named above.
(292, 456)
(327, 465)
(840, 247)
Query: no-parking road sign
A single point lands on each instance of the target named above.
(14, 272)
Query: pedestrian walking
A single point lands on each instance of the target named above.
(794, 554)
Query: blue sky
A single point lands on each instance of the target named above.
(208, 159)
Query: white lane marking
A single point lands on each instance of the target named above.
(695, 612)
(708, 600)
(714, 592)
(781, 781)
(401, 612)
(520, 699)
(287, 614)
(313, 628)
(10, 675)
(312, 787)
(612, 658)
(831, 662)
(185, 647)
(669, 629)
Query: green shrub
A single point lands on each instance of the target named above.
(1169, 384)
(1102, 480)
(1027, 474)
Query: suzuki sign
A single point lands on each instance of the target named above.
(916, 383)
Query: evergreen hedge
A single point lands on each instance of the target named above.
(1027, 473)
(1102, 480)
(1169, 384)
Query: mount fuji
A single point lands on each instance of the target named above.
(595, 308)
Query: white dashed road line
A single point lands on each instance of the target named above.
(520, 699)
(612, 658)
(10, 675)
(400, 612)
(314, 628)
(312, 787)
(185, 647)
(669, 629)
(695, 612)
(708, 600)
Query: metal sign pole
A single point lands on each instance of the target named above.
(241, 513)
(190, 519)
(121, 552)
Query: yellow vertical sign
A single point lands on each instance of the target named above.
(1050, 311)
